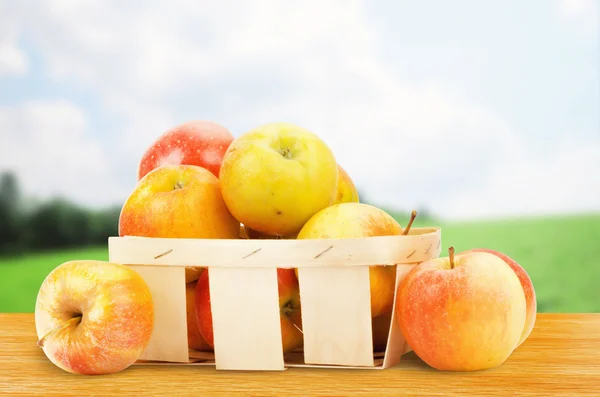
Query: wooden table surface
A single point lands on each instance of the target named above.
(560, 358)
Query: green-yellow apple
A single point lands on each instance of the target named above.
(178, 201)
(197, 142)
(93, 317)
(527, 285)
(346, 190)
(289, 304)
(275, 177)
(463, 312)
(195, 339)
(350, 220)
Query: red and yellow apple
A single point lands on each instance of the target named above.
(201, 143)
(527, 285)
(276, 176)
(289, 304)
(178, 201)
(350, 220)
(93, 317)
(462, 313)
(346, 190)
(195, 339)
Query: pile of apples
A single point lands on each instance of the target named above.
(467, 311)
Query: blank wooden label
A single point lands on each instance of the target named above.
(169, 339)
(336, 315)
(246, 319)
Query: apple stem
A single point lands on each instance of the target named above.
(451, 251)
(413, 215)
(178, 185)
(58, 328)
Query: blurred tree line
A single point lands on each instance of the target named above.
(56, 223)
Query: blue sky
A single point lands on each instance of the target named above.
(471, 109)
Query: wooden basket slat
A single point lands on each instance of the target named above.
(245, 314)
(336, 315)
(169, 338)
(414, 248)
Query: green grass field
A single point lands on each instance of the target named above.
(561, 255)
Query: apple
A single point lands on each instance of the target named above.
(276, 176)
(381, 329)
(178, 201)
(289, 304)
(195, 339)
(463, 313)
(350, 220)
(93, 317)
(198, 142)
(255, 235)
(527, 285)
(346, 190)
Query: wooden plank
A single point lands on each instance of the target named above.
(336, 316)
(419, 245)
(169, 338)
(560, 358)
(246, 319)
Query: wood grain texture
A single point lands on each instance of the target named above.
(560, 358)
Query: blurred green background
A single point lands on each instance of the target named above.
(560, 253)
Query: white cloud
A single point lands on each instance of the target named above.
(563, 179)
(45, 142)
(313, 63)
(13, 60)
(584, 13)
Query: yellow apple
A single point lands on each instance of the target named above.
(93, 317)
(275, 177)
(350, 220)
(346, 190)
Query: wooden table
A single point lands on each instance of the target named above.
(560, 358)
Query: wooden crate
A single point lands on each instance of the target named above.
(334, 291)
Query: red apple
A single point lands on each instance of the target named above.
(93, 317)
(195, 339)
(527, 285)
(201, 143)
(289, 303)
(463, 313)
(178, 201)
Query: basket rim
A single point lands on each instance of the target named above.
(418, 245)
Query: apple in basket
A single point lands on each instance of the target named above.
(178, 201)
(351, 220)
(276, 176)
(93, 317)
(198, 142)
(289, 304)
(346, 190)
(462, 313)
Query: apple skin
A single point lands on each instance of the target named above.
(346, 190)
(93, 317)
(468, 318)
(289, 303)
(527, 285)
(198, 142)
(178, 201)
(195, 339)
(276, 176)
(349, 220)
